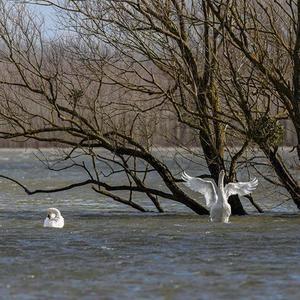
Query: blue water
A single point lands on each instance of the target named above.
(109, 251)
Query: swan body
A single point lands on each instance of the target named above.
(216, 196)
(54, 219)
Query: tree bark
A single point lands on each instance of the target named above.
(283, 174)
(215, 164)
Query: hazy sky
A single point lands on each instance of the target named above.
(50, 16)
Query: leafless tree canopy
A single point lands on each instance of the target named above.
(125, 76)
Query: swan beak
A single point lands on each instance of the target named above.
(51, 216)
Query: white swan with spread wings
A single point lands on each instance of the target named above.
(216, 196)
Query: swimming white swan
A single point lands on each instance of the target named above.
(54, 219)
(217, 196)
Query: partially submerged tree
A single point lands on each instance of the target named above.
(118, 66)
(265, 35)
(167, 52)
(48, 94)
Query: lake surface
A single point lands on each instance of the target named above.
(108, 251)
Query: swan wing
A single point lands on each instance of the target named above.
(240, 188)
(202, 186)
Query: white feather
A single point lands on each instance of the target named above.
(54, 219)
(240, 188)
(216, 196)
(205, 187)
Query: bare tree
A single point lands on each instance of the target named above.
(48, 94)
(168, 52)
(265, 36)
(122, 65)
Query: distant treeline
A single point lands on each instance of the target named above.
(168, 133)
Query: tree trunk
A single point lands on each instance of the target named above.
(215, 164)
(283, 174)
(163, 171)
(297, 128)
(296, 80)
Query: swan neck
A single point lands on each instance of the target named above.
(221, 181)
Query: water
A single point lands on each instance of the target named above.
(108, 251)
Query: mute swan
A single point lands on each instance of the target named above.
(217, 196)
(54, 219)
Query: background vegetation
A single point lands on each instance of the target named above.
(219, 79)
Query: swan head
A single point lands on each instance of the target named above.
(53, 213)
(54, 218)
